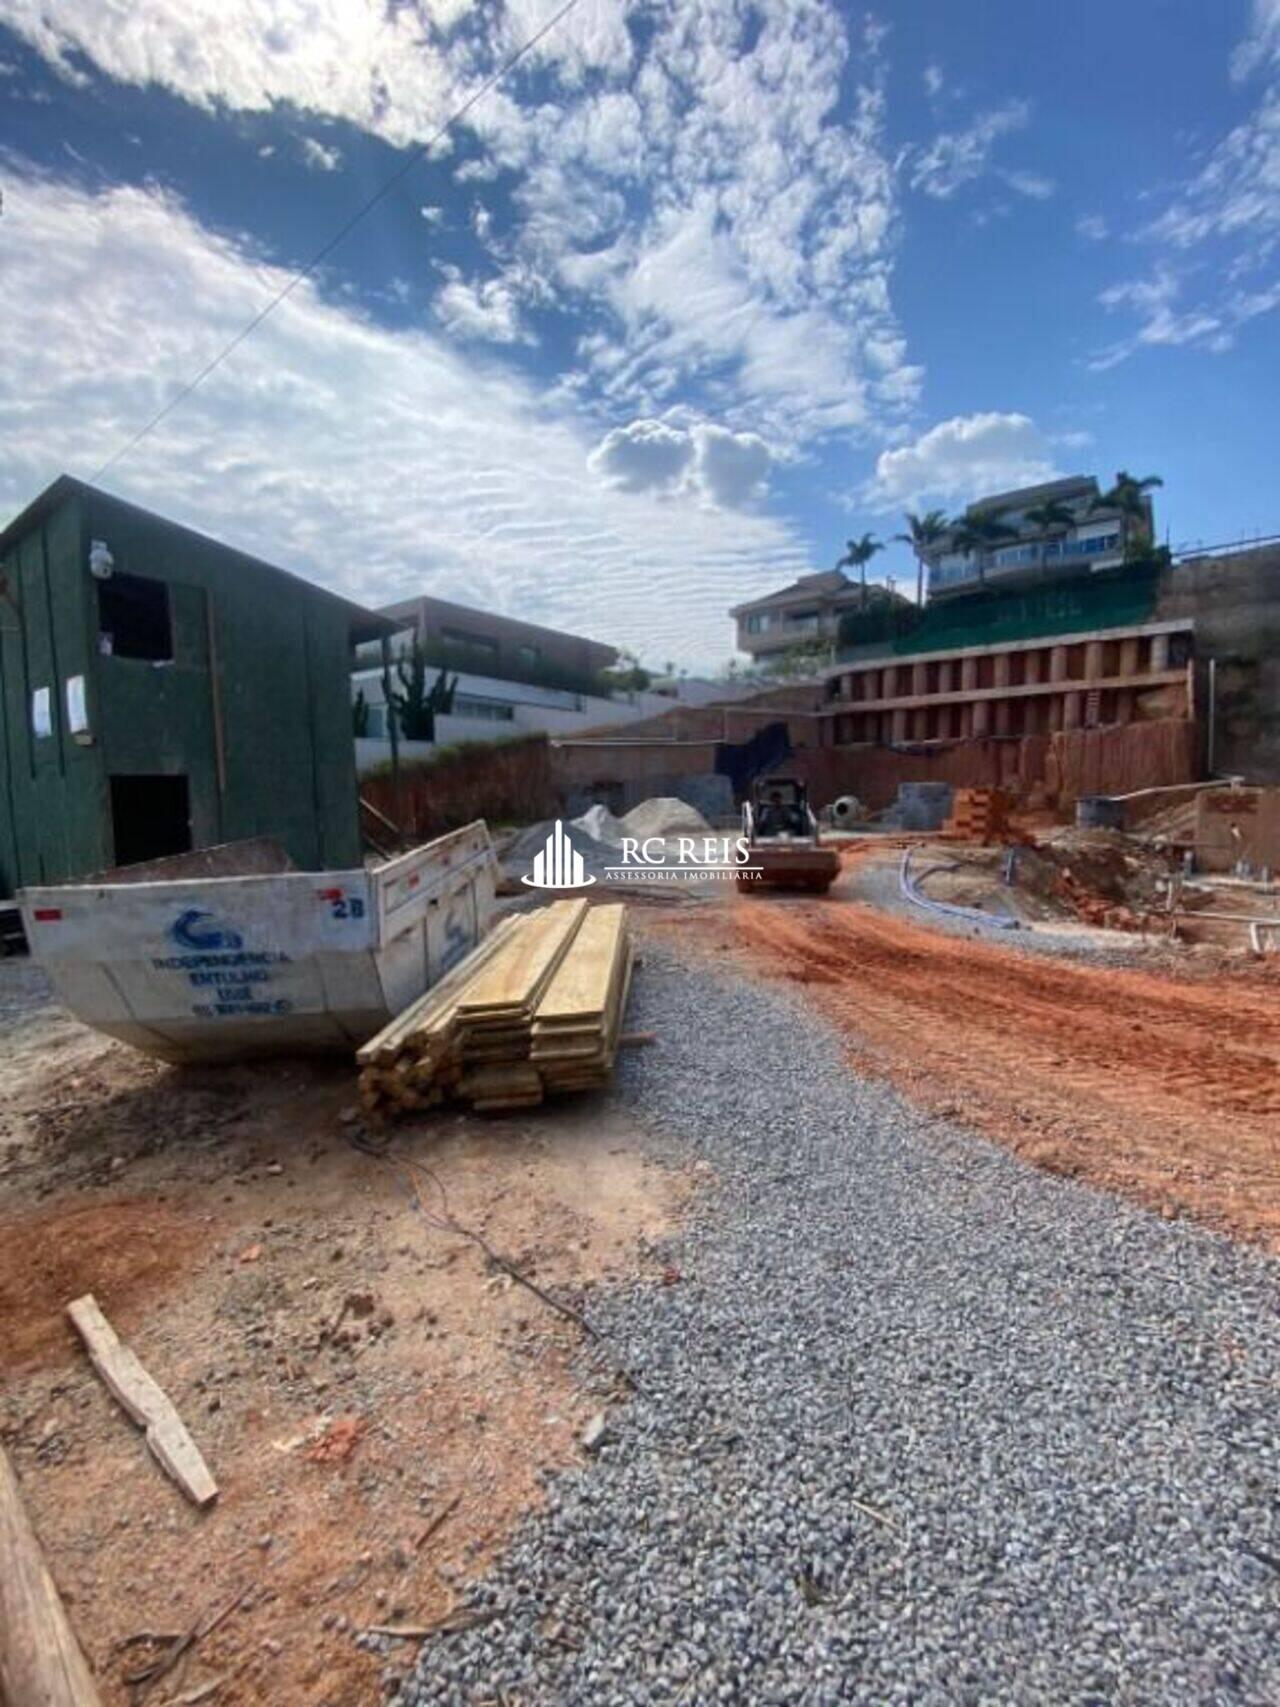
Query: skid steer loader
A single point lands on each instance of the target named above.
(784, 850)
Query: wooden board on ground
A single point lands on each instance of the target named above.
(145, 1401)
(41, 1664)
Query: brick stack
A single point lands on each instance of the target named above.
(979, 815)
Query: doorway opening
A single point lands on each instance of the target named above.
(150, 817)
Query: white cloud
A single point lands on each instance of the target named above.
(382, 68)
(1235, 197)
(432, 215)
(726, 469)
(476, 172)
(318, 157)
(1034, 185)
(1092, 227)
(934, 80)
(958, 157)
(744, 171)
(1217, 240)
(962, 459)
(481, 310)
(1155, 300)
(647, 456)
(739, 234)
(732, 467)
(378, 462)
(1261, 43)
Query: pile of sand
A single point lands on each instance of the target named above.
(519, 854)
(601, 825)
(658, 818)
(597, 835)
(664, 816)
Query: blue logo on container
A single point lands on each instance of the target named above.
(198, 930)
(457, 942)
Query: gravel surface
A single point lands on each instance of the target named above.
(920, 1424)
(24, 991)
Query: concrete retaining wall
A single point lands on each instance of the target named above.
(1234, 601)
(1113, 760)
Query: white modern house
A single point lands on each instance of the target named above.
(1090, 536)
(496, 662)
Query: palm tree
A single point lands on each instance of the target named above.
(922, 532)
(1129, 496)
(979, 534)
(857, 554)
(1048, 519)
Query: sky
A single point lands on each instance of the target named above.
(699, 290)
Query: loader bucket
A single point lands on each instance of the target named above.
(797, 868)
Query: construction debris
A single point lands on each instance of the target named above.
(338, 1441)
(146, 1403)
(537, 1007)
(147, 1676)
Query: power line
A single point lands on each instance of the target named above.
(339, 236)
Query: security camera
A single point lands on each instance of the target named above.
(101, 562)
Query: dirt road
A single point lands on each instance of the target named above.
(1164, 1088)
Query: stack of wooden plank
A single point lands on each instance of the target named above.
(536, 1007)
(979, 815)
(575, 1030)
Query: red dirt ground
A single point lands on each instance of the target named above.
(377, 1405)
(1163, 1088)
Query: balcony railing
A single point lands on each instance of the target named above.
(1010, 559)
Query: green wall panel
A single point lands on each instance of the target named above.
(260, 671)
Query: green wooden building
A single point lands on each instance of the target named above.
(160, 692)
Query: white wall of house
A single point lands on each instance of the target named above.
(371, 752)
(486, 709)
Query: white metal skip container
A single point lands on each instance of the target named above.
(216, 968)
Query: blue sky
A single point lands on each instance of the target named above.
(703, 289)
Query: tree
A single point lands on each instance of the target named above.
(922, 533)
(805, 658)
(416, 705)
(1129, 496)
(628, 674)
(978, 534)
(857, 554)
(1049, 519)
